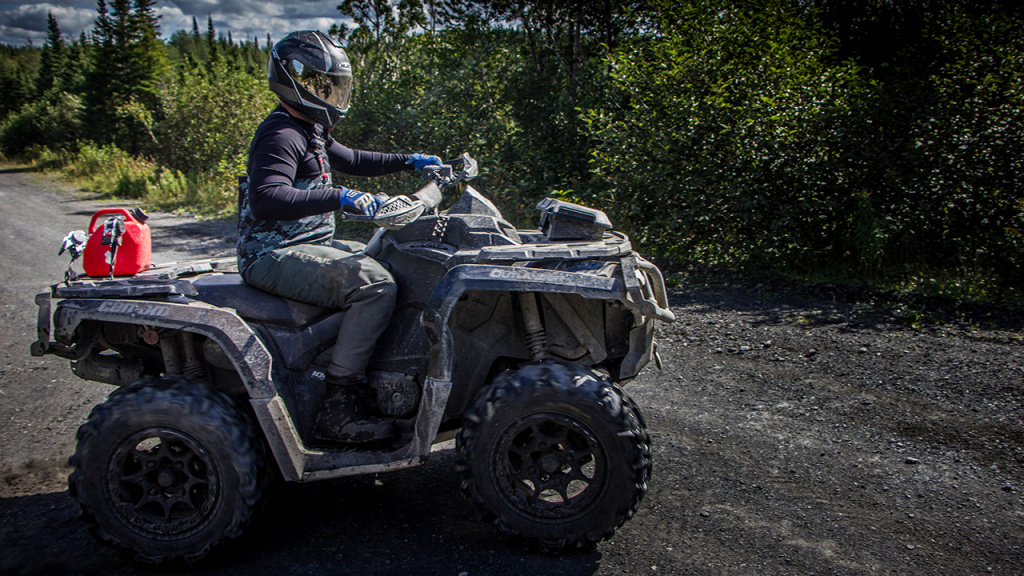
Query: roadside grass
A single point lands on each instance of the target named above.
(938, 298)
(966, 284)
(113, 174)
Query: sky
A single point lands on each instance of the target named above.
(21, 22)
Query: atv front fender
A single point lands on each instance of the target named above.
(466, 277)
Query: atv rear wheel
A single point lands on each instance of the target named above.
(166, 469)
(554, 455)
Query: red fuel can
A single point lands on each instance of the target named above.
(134, 255)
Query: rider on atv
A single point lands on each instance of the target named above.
(514, 342)
(286, 223)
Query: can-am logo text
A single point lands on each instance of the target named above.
(507, 273)
(134, 309)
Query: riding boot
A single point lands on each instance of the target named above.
(342, 417)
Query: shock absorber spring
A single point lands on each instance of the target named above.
(194, 367)
(536, 339)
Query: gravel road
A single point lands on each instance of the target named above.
(797, 430)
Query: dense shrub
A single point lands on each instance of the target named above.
(731, 137)
(736, 136)
(209, 118)
(952, 190)
(444, 96)
(52, 121)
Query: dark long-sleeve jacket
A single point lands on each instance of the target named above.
(290, 198)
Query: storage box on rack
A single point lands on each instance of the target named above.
(560, 220)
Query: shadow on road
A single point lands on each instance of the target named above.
(857, 307)
(408, 522)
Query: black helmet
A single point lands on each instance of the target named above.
(312, 74)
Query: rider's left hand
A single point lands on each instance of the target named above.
(355, 202)
(418, 161)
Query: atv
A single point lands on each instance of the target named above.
(513, 342)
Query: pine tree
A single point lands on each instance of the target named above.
(150, 56)
(98, 90)
(78, 62)
(211, 40)
(128, 62)
(53, 64)
(16, 87)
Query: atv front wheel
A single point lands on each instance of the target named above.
(167, 469)
(554, 455)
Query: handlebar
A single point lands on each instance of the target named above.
(428, 197)
(445, 176)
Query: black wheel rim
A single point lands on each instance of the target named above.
(549, 467)
(162, 482)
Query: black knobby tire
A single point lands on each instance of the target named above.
(555, 456)
(167, 469)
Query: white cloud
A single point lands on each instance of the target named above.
(249, 18)
(20, 36)
(22, 21)
(28, 21)
(202, 8)
(172, 18)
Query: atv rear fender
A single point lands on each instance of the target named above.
(100, 303)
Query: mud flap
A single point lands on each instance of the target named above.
(42, 343)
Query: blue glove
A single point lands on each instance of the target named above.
(356, 202)
(418, 161)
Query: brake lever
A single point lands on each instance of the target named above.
(469, 170)
(445, 175)
(349, 217)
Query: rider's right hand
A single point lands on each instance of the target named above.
(356, 202)
(421, 161)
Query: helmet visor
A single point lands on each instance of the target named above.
(334, 89)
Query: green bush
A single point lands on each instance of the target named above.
(112, 172)
(48, 158)
(209, 118)
(732, 138)
(51, 121)
(444, 95)
(953, 191)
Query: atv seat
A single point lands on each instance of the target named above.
(230, 291)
